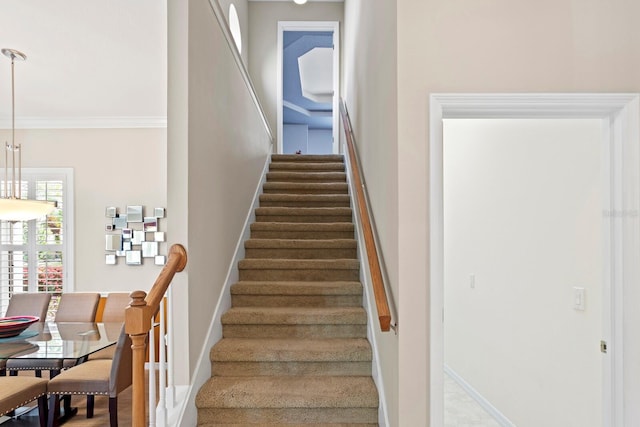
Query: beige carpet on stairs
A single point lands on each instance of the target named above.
(294, 350)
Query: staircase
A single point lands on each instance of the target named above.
(294, 349)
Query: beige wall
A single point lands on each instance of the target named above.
(226, 146)
(371, 100)
(263, 42)
(112, 167)
(495, 46)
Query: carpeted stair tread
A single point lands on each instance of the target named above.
(297, 214)
(305, 200)
(296, 294)
(306, 166)
(306, 187)
(291, 350)
(307, 158)
(300, 243)
(305, 176)
(301, 248)
(283, 417)
(288, 392)
(290, 425)
(297, 288)
(302, 230)
(294, 316)
(298, 264)
(298, 269)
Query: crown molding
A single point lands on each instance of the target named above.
(86, 122)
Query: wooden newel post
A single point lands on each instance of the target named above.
(138, 318)
(138, 324)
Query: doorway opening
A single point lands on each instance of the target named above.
(308, 87)
(618, 117)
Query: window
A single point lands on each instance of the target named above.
(35, 255)
(234, 26)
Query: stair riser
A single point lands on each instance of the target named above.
(302, 275)
(304, 204)
(307, 167)
(294, 331)
(279, 189)
(304, 218)
(297, 158)
(270, 253)
(280, 425)
(306, 235)
(248, 369)
(296, 300)
(306, 177)
(293, 416)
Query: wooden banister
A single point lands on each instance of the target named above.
(138, 318)
(377, 280)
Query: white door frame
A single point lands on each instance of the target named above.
(310, 26)
(620, 115)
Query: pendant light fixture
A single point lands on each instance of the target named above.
(299, 1)
(12, 206)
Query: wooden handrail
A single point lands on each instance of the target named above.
(138, 317)
(377, 280)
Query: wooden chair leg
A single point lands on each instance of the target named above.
(13, 373)
(90, 402)
(38, 373)
(54, 410)
(66, 404)
(113, 411)
(42, 410)
(3, 372)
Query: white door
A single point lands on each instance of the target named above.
(523, 246)
(620, 159)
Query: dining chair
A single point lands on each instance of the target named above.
(77, 307)
(18, 391)
(114, 308)
(72, 307)
(29, 304)
(106, 377)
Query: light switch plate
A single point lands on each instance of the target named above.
(578, 298)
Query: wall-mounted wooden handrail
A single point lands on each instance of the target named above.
(138, 317)
(377, 279)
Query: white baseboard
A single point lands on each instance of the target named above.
(482, 401)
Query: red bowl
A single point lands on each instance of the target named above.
(14, 325)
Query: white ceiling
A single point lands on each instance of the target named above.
(90, 63)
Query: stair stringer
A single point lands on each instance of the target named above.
(368, 301)
(189, 413)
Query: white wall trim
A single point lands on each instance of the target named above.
(333, 26)
(482, 401)
(202, 372)
(620, 113)
(86, 122)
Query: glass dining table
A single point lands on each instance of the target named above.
(60, 342)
